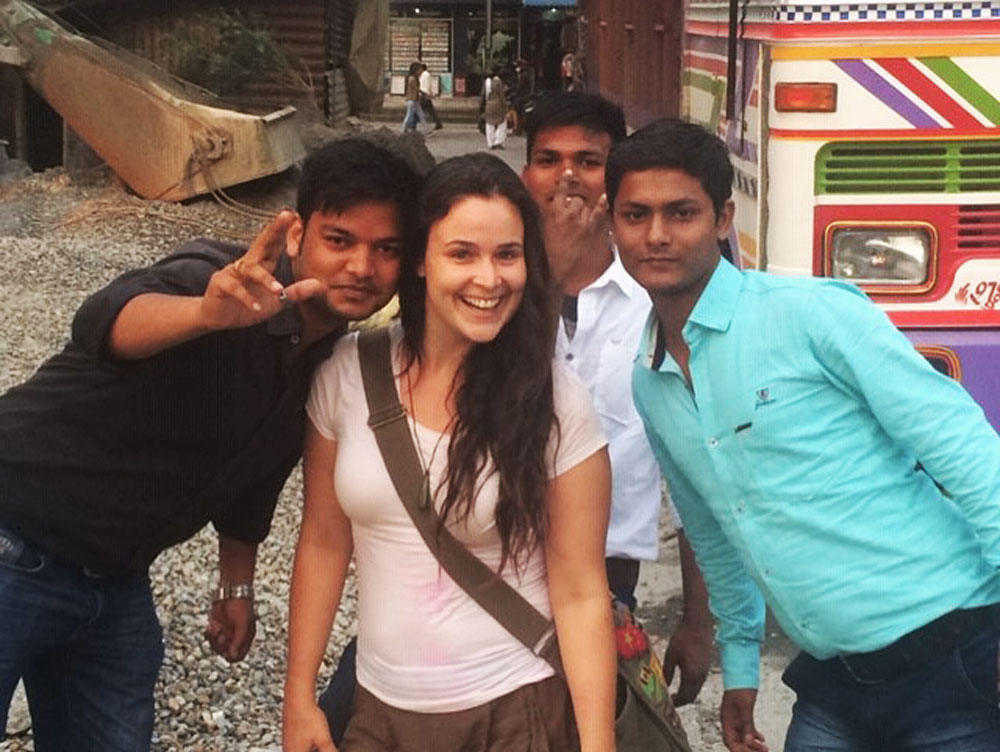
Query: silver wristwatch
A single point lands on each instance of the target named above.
(228, 592)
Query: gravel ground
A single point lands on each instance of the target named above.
(59, 241)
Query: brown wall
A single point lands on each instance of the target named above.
(633, 54)
(315, 32)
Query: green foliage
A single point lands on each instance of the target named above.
(223, 51)
(498, 57)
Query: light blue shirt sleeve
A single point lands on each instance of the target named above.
(734, 598)
(925, 413)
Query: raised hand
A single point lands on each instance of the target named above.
(572, 227)
(245, 292)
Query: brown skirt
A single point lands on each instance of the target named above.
(535, 718)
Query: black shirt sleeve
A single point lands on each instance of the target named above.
(185, 272)
(248, 518)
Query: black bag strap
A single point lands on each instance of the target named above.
(387, 420)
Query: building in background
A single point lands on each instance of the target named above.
(449, 36)
(632, 53)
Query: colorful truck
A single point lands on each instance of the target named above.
(866, 142)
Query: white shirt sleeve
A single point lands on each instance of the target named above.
(580, 432)
(326, 395)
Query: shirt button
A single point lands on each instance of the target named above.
(296, 339)
(713, 442)
(569, 356)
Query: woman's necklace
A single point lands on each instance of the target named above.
(425, 488)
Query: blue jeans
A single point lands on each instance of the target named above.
(414, 116)
(950, 705)
(87, 648)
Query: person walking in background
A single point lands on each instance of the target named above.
(427, 97)
(520, 93)
(515, 466)
(568, 72)
(414, 112)
(495, 112)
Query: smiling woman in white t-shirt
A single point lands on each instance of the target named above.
(519, 473)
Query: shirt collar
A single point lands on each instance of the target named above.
(717, 304)
(616, 275)
(647, 344)
(286, 321)
(714, 310)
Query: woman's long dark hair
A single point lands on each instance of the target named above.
(504, 403)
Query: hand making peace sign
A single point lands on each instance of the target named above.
(245, 292)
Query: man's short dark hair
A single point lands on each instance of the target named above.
(672, 143)
(558, 109)
(343, 173)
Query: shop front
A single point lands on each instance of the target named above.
(450, 38)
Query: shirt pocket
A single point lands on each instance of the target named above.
(782, 442)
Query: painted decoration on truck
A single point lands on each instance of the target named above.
(888, 11)
(928, 92)
(756, 12)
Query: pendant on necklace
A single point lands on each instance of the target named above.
(425, 491)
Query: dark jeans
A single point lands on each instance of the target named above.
(623, 577)
(949, 705)
(88, 649)
(337, 699)
(429, 110)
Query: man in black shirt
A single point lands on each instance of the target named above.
(179, 401)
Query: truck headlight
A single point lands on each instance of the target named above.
(881, 255)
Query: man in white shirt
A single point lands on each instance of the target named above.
(427, 97)
(570, 135)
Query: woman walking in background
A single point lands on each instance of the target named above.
(517, 470)
(495, 112)
(414, 112)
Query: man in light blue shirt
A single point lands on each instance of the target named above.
(804, 440)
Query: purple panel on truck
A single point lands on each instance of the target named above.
(971, 355)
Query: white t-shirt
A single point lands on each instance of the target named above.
(425, 82)
(423, 644)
